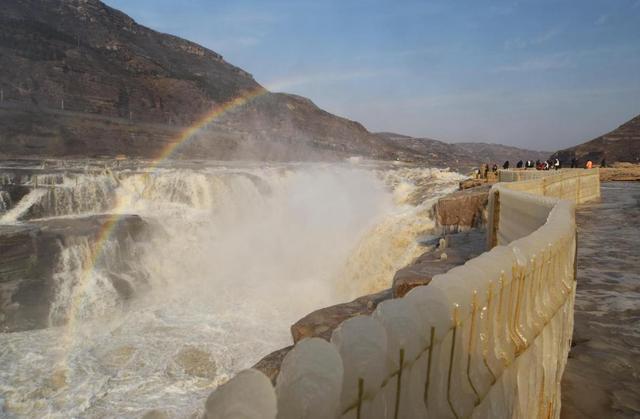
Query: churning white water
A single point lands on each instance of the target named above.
(236, 255)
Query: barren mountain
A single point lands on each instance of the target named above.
(82, 79)
(498, 153)
(620, 145)
(464, 155)
(441, 153)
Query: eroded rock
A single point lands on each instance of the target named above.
(452, 252)
(270, 364)
(321, 323)
(462, 210)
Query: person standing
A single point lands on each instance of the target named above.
(556, 164)
(505, 166)
(519, 164)
(589, 164)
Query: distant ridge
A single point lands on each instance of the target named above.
(498, 153)
(620, 145)
(464, 155)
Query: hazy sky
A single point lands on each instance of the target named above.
(542, 74)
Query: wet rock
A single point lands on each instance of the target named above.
(321, 323)
(27, 257)
(121, 226)
(18, 251)
(122, 286)
(459, 248)
(472, 183)
(270, 364)
(462, 210)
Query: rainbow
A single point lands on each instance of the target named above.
(109, 226)
(216, 112)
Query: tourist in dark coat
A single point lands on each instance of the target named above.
(505, 166)
(519, 165)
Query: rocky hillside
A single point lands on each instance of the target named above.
(463, 155)
(441, 153)
(82, 79)
(620, 145)
(498, 153)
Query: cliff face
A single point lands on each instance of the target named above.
(99, 61)
(82, 79)
(620, 145)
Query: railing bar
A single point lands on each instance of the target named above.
(398, 386)
(426, 385)
(453, 348)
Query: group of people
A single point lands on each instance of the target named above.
(588, 164)
(550, 164)
(538, 165)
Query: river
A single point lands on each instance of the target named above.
(236, 253)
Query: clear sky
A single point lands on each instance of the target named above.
(542, 74)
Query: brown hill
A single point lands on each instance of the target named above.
(498, 153)
(82, 79)
(464, 155)
(620, 145)
(440, 153)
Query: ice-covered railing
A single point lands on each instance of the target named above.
(488, 339)
(509, 220)
(577, 185)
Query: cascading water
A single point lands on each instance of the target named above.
(5, 201)
(23, 206)
(235, 255)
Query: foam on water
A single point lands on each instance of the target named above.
(236, 255)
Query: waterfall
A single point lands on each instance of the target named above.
(5, 201)
(24, 205)
(234, 255)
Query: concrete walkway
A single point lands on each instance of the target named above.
(602, 379)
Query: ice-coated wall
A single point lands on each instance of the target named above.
(488, 339)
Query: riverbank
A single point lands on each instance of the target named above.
(623, 172)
